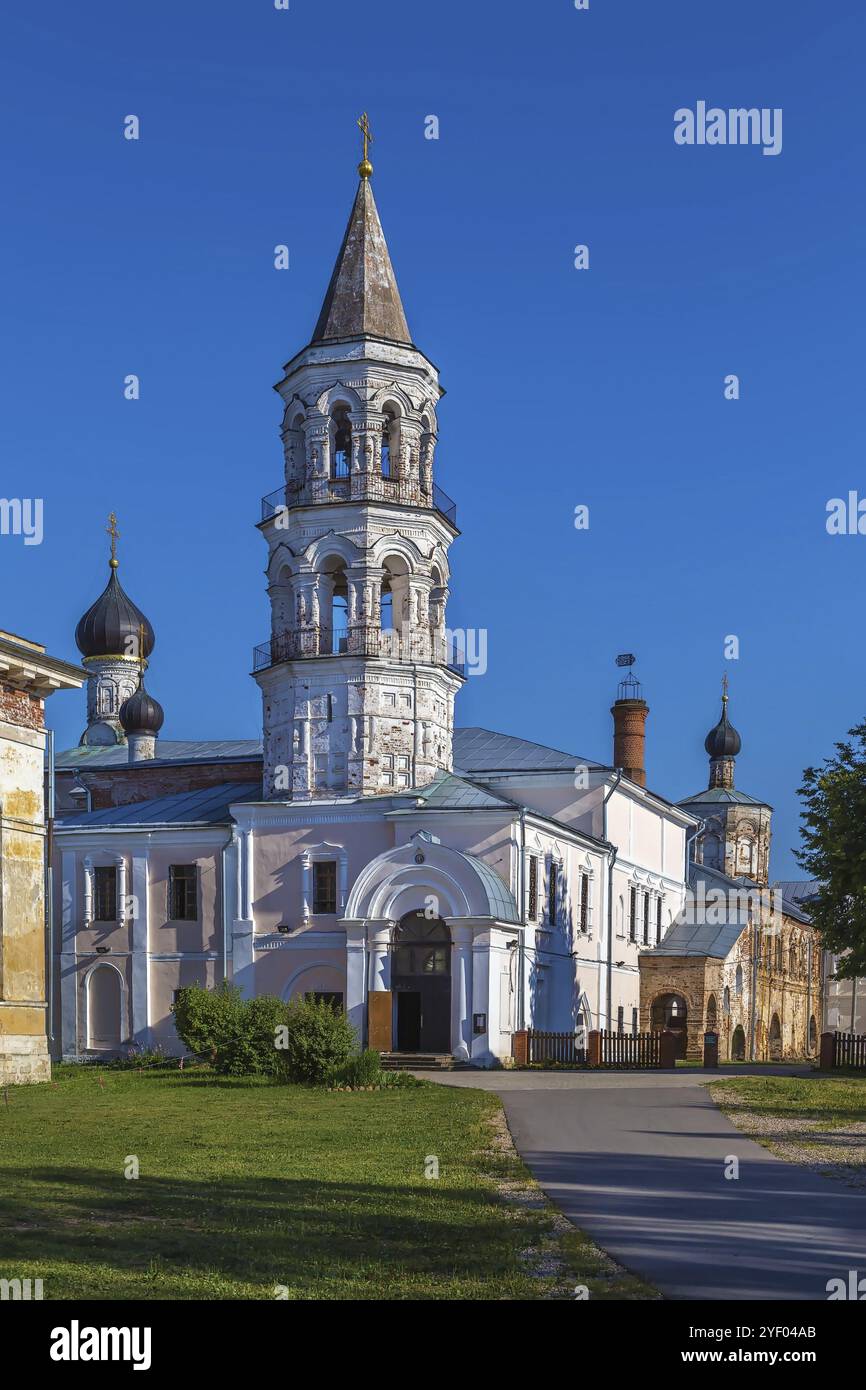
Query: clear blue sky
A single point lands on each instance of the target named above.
(602, 387)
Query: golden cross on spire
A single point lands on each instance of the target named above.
(365, 168)
(113, 532)
(725, 687)
(141, 661)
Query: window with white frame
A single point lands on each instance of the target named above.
(105, 893)
(532, 889)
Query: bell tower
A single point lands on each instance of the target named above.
(358, 679)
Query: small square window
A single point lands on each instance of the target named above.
(182, 895)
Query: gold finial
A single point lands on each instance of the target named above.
(365, 168)
(113, 532)
(141, 661)
(725, 688)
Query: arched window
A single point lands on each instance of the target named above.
(712, 1019)
(341, 451)
(395, 594)
(711, 848)
(779, 955)
(726, 1001)
(738, 981)
(738, 1045)
(813, 1034)
(386, 607)
(389, 444)
(775, 1039)
(792, 959)
(333, 607)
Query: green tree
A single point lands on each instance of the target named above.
(834, 851)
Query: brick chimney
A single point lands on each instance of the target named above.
(629, 712)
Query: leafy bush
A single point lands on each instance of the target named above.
(237, 1036)
(251, 1049)
(207, 1020)
(316, 1040)
(363, 1070)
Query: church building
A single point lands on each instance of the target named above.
(741, 960)
(444, 885)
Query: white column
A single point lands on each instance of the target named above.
(480, 997)
(461, 993)
(122, 890)
(68, 954)
(88, 891)
(140, 1004)
(243, 953)
(356, 978)
(379, 942)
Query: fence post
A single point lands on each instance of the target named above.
(826, 1055)
(711, 1049)
(667, 1049)
(593, 1048)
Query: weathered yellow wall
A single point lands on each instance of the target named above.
(23, 1045)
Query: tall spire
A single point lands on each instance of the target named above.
(363, 298)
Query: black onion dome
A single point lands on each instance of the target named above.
(723, 741)
(141, 713)
(111, 626)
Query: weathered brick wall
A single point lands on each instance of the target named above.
(790, 992)
(20, 707)
(129, 783)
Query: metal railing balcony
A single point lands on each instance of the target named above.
(361, 487)
(390, 643)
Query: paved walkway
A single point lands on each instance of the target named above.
(637, 1160)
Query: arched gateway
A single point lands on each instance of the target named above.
(421, 983)
(430, 932)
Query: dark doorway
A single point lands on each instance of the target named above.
(408, 1020)
(670, 1013)
(421, 982)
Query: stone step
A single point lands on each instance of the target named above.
(418, 1061)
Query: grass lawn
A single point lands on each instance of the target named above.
(817, 1120)
(831, 1099)
(245, 1186)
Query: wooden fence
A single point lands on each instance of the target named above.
(843, 1050)
(604, 1048)
(566, 1048)
(636, 1051)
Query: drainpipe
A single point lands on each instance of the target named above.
(610, 863)
(698, 830)
(49, 894)
(521, 878)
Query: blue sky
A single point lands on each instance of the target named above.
(602, 387)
